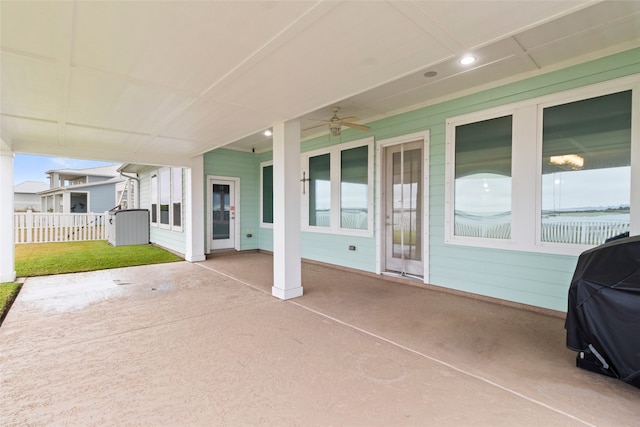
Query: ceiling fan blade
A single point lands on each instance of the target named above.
(348, 119)
(317, 126)
(356, 126)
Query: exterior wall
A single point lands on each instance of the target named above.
(245, 166)
(101, 197)
(24, 201)
(170, 239)
(93, 179)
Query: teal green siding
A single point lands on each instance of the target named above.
(334, 249)
(245, 166)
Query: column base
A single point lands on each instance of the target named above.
(285, 294)
(8, 277)
(195, 258)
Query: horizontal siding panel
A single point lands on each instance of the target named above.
(334, 249)
(172, 240)
(265, 242)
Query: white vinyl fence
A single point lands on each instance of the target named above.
(41, 227)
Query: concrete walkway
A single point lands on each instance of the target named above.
(206, 344)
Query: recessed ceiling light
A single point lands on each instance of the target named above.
(468, 60)
(267, 133)
(431, 74)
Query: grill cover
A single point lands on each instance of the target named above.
(603, 315)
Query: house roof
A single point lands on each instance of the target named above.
(161, 82)
(30, 187)
(73, 188)
(103, 171)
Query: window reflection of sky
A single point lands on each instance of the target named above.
(586, 189)
(483, 193)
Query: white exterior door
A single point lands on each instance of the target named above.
(403, 208)
(222, 214)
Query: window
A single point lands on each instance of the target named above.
(482, 196)
(164, 192)
(586, 169)
(338, 191)
(354, 188)
(176, 196)
(551, 174)
(320, 190)
(267, 193)
(166, 198)
(154, 199)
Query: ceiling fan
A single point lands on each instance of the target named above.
(336, 123)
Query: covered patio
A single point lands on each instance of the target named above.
(206, 344)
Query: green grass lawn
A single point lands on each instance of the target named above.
(8, 292)
(42, 259)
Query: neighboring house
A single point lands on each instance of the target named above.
(26, 197)
(493, 193)
(96, 189)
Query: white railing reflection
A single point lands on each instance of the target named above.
(572, 232)
(353, 220)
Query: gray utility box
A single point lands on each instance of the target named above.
(128, 227)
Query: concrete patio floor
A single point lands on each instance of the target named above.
(206, 344)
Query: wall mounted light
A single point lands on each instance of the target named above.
(267, 132)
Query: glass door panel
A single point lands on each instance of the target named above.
(222, 215)
(404, 194)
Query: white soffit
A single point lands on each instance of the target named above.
(165, 81)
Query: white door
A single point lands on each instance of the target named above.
(223, 213)
(404, 195)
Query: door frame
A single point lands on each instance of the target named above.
(236, 196)
(380, 230)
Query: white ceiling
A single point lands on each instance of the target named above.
(160, 82)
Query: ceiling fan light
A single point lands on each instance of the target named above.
(335, 129)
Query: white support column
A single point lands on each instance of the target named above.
(7, 254)
(194, 210)
(287, 268)
(66, 202)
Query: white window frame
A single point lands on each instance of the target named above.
(166, 226)
(153, 197)
(335, 170)
(526, 203)
(262, 223)
(156, 191)
(174, 199)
